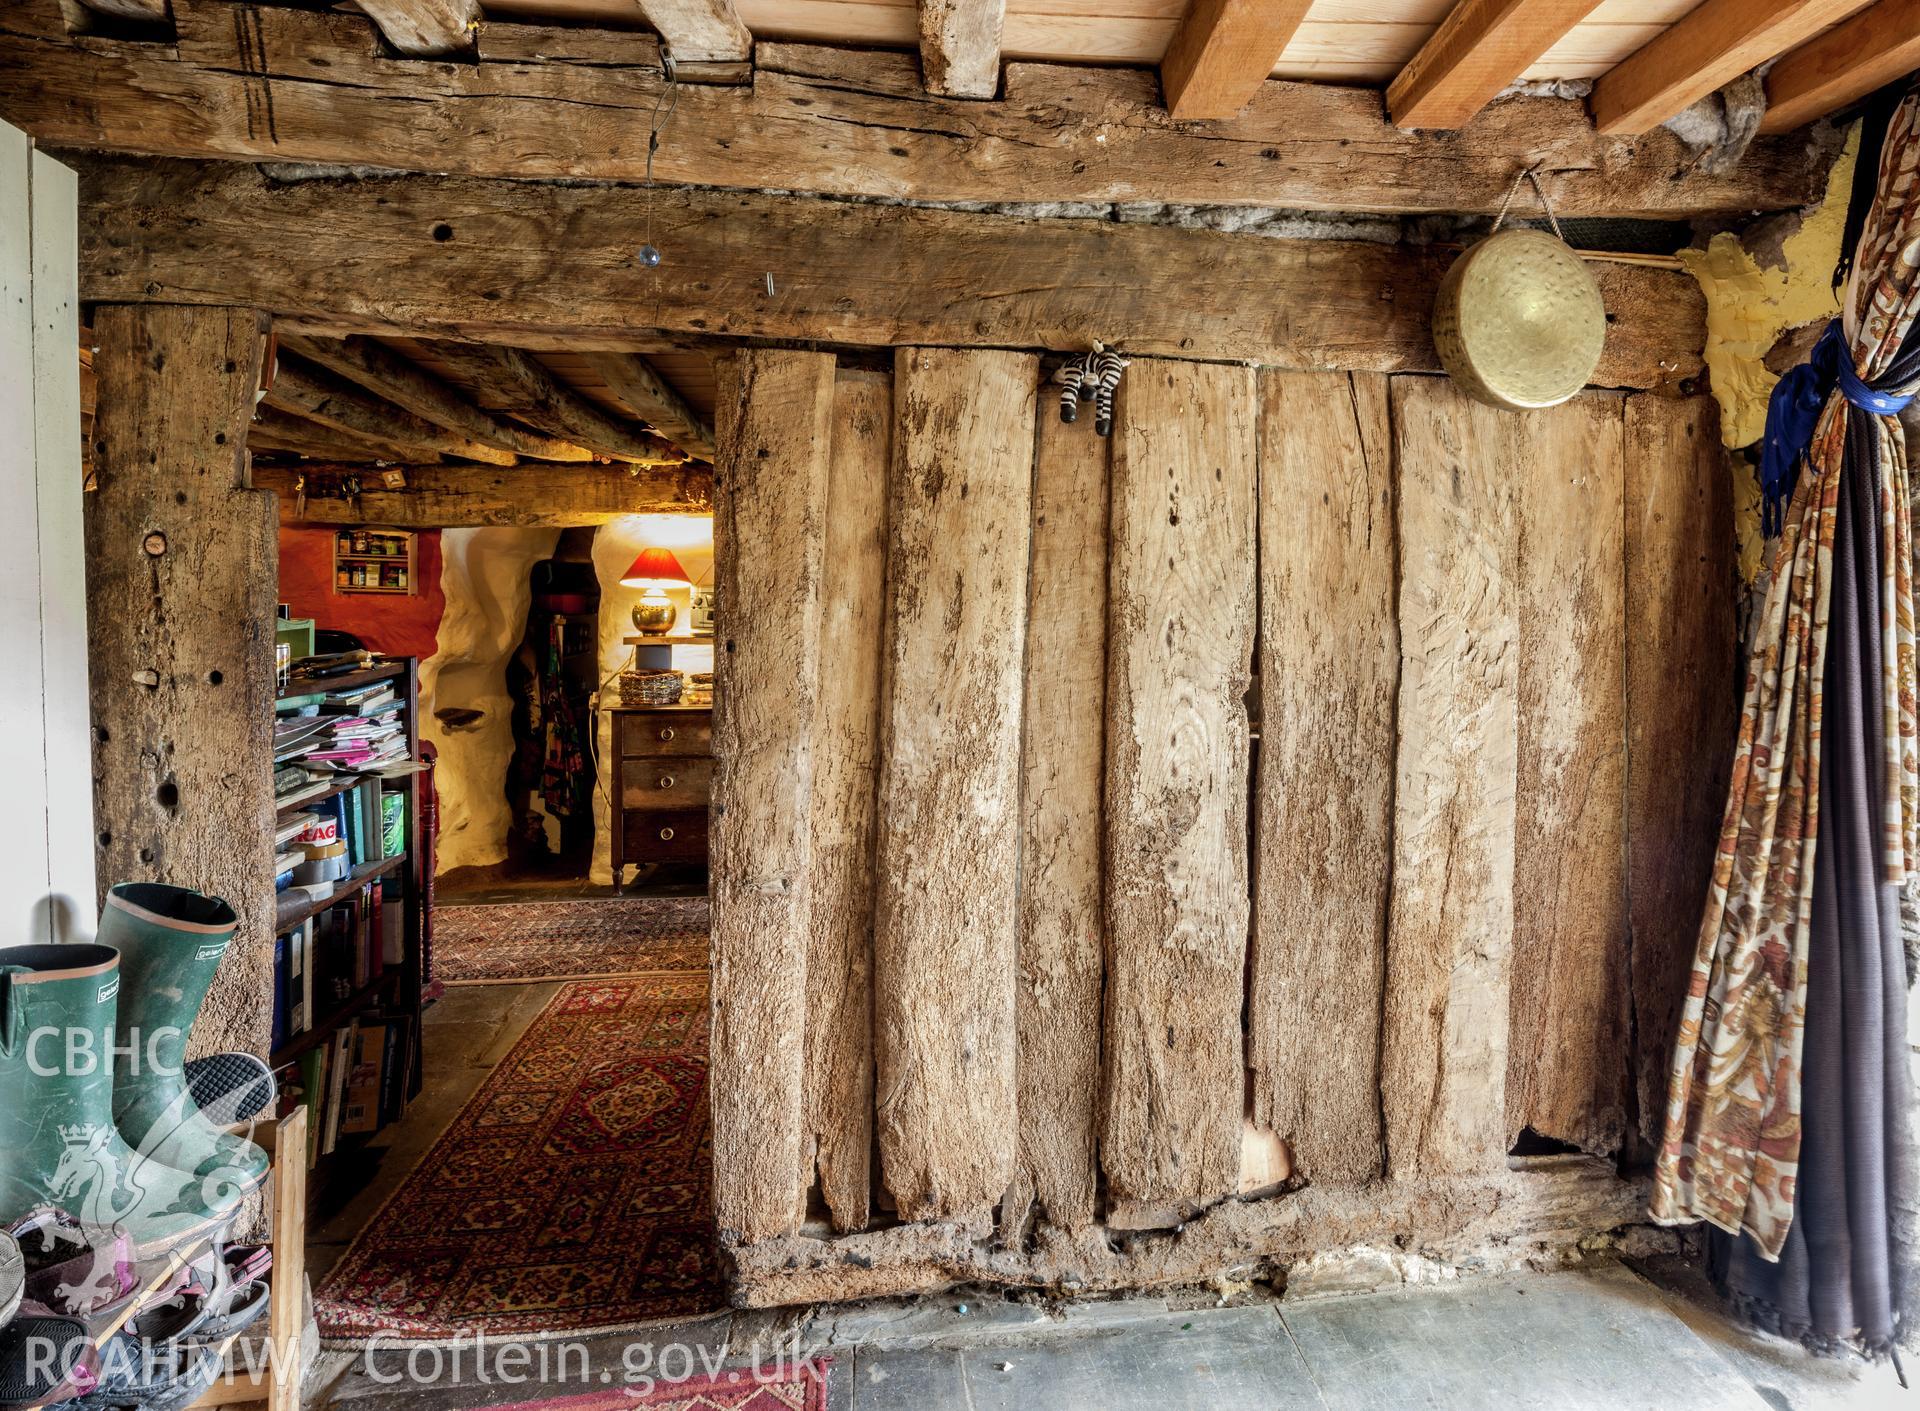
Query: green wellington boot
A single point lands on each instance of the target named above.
(58, 1142)
(170, 941)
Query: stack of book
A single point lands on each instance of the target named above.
(352, 1085)
(353, 731)
(325, 962)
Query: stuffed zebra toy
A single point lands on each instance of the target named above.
(1093, 378)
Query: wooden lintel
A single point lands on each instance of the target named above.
(535, 494)
(362, 254)
(822, 120)
(1480, 48)
(1849, 61)
(1222, 53)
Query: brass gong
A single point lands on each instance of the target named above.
(1518, 321)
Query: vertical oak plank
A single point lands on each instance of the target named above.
(1450, 927)
(1180, 646)
(182, 574)
(770, 527)
(1329, 669)
(1683, 707)
(1567, 1063)
(950, 778)
(1057, 999)
(845, 781)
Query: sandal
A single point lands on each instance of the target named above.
(142, 1376)
(45, 1356)
(13, 1277)
(74, 1270)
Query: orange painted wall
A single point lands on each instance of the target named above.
(396, 625)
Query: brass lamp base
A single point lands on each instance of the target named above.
(654, 616)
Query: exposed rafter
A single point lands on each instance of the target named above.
(652, 398)
(457, 496)
(385, 373)
(273, 430)
(305, 390)
(960, 46)
(1480, 48)
(823, 120)
(1849, 61)
(699, 29)
(1223, 52)
(426, 29)
(535, 395)
(1712, 45)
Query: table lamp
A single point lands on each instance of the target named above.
(655, 570)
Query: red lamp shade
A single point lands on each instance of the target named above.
(655, 568)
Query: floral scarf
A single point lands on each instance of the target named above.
(1731, 1147)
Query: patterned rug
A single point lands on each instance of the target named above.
(804, 1388)
(569, 1194)
(568, 940)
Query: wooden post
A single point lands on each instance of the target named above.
(1062, 920)
(770, 526)
(1450, 929)
(1329, 669)
(1179, 659)
(846, 780)
(182, 573)
(950, 777)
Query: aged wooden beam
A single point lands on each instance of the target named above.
(1443, 1043)
(1179, 660)
(846, 776)
(273, 430)
(949, 812)
(1480, 48)
(426, 29)
(181, 584)
(653, 399)
(1329, 667)
(1567, 1054)
(960, 46)
(699, 29)
(536, 494)
(822, 120)
(1849, 61)
(535, 395)
(1683, 704)
(385, 373)
(1710, 46)
(1222, 53)
(770, 525)
(1062, 921)
(362, 255)
(307, 390)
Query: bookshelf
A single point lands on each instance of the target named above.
(349, 964)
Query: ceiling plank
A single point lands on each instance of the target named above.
(387, 374)
(699, 30)
(273, 430)
(531, 392)
(426, 29)
(360, 255)
(1711, 46)
(653, 399)
(1481, 47)
(960, 46)
(1849, 61)
(302, 389)
(1223, 52)
(535, 494)
(828, 121)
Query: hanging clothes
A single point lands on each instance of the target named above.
(1786, 1120)
(565, 772)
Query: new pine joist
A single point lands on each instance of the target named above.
(362, 256)
(1849, 61)
(286, 85)
(1480, 48)
(1222, 53)
(536, 495)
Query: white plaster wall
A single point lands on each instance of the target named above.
(485, 574)
(614, 546)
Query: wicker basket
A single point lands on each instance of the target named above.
(699, 689)
(650, 688)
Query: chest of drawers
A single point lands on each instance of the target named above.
(662, 769)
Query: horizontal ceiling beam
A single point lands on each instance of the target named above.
(1223, 52)
(537, 494)
(313, 87)
(530, 391)
(652, 398)
(1480, 48)
(534, 260)
(304, 389)
(1849, 61)
(1709, 47)
(274, 430)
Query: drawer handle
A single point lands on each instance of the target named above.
(666, 732)
(666, 835)
(666, 781)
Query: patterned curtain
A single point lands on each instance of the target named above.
(1732, 1146)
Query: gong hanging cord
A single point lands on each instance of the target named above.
(1532, 174)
